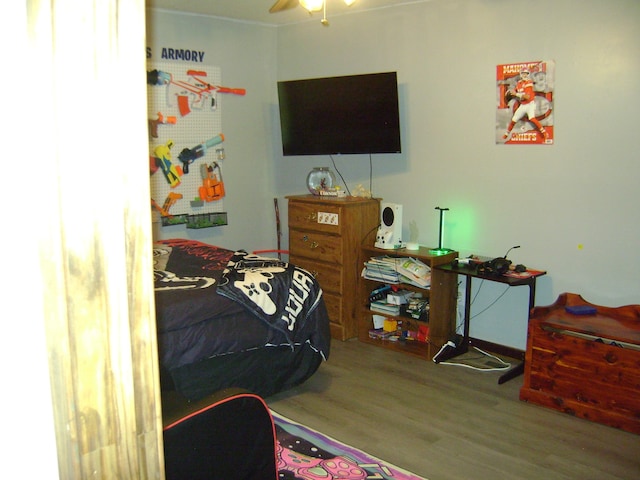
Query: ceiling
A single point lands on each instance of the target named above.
(257, 11)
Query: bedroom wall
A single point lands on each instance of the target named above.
(572, 206)
(246, 55)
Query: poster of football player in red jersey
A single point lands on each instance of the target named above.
(525, 103)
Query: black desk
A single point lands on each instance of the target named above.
(471, 271)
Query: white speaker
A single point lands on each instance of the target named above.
(390, 231)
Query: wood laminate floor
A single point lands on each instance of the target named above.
(444, 422)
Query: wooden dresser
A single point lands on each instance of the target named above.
(587, 364)
(325, 235)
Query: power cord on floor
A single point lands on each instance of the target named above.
(503, 365)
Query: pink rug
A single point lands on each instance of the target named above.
(305, 454)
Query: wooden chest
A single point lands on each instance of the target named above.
(586, 364)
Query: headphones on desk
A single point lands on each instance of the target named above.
(497, 266)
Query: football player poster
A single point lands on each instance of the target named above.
(525, 103)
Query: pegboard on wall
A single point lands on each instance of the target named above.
(185, 136)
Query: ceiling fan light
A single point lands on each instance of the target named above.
(349, 2)
(312, 5)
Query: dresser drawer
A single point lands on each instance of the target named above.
(328, 275)
(315, 246)
(324, 237)
(320, 218)
(334, 307)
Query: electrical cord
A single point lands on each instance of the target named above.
(477, 291)
(345, 183)
(503, 365)
(369, 233)
(341, 177)
(461, 319)
(370, 175)
(492, 303)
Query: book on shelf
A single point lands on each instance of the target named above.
(415, 270)
(390, 278)
(381, 269)
(383, 263)
(384, 307)
(379, 333)
(394, 270)
(422, 283)
(384, 260)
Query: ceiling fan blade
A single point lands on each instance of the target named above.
(282, 5)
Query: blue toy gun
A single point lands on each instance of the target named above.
(189, 155)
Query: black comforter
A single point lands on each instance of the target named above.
(213, 303)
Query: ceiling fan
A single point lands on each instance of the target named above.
(282, 5)
(310, 5)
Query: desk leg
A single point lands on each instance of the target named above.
(467, 312)
(519, 369)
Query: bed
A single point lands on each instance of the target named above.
(233, 319)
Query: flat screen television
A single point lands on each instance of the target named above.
(340, 115)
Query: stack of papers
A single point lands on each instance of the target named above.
(382, 269)
(415, 271)
(394, 270)
(384, 307)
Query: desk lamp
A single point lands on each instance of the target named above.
(440, 250)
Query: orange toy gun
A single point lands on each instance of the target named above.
(161, 120)
(194, 93)
(212, 188)
(168, 203)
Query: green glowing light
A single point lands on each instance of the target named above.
(440, 251)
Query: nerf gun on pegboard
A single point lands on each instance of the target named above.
(161, 120)
(194, 93)
(212, 188)
(171, 199)
(162, 159)
(189, 155)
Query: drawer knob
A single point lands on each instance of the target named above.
(313, 244)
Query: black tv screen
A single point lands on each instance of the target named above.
(340, 115)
